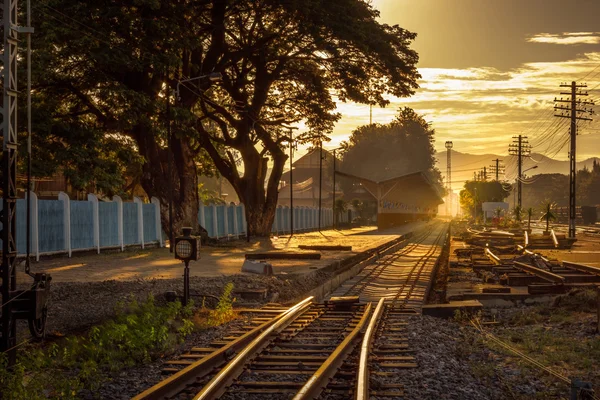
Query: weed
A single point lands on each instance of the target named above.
(584, 300)
(222, 313)
(139, 332)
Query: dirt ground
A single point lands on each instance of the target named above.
(225, 258)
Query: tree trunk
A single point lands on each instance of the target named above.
(182, 186)
(260, 204)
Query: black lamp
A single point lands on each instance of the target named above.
(187, 248)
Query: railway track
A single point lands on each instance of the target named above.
(347, 347)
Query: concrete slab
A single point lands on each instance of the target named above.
(224, 259)
(449, 310)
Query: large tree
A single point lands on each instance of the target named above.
(385, 151)
(109, 63)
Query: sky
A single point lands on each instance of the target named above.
(491, 70)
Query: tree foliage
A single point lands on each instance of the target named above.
(384, 151)
(555, 187)
(475, 193)
(108, 63)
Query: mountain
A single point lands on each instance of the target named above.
(465, 164)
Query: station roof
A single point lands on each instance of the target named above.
(418, 180)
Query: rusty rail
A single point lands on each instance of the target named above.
(215, 387)
(545, 275)
(178, 381)
(318, 381)
(554, 239)
(362, 381)
(582, 267)
(493, 258)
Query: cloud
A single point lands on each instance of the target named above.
(566, 38)
(480, 109)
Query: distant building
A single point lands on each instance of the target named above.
(305, 185)
(402, 199)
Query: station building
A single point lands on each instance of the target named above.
(402, 199)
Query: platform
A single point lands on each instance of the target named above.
(224, 259)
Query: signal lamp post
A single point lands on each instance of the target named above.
(187, 248)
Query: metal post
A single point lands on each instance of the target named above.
(186, 284)
(28, 228)
(333, 206)
(449, 146)
(8, 340)
(291, 184)
(170, 167)
(598, 316)
(520, 164)
(572, 162)
(575, 112)
(320, 180)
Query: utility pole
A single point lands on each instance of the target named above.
(574, 111)
(170, 165)
(520, 148)
(484, 174)
(449, 146)
(320, 180)
(291, 139)
(8, 289)
(496, 168)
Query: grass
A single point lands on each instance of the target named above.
(138, 334)
(559, 336)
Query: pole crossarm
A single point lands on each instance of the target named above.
(571, 111)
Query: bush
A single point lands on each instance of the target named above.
(137, 334)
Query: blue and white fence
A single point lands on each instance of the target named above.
(224, 221)
(65, 226)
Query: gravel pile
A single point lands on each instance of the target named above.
(462, 275)
(443, 370)
(74, 307)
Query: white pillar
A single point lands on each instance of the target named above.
(226, 221)
(236, 225)
(279, 219)
(215, 221)
(157, 222)
(201, 212)
(35, 242)
(96, 224)
(244, 222)
(119, 201)
(62, 196)
(140, 213)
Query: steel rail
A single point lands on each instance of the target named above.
(582, 267)
(175, 383)
(378, 269)
(545, 275)
(554, 239)
(420, 264)
(217, 385)
(318, 381)
(493, 258)
(362, 378)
